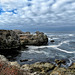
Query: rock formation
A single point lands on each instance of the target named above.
(9, 40)
(14, 39)
(30, 39)
(38, 68)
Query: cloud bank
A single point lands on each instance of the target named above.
(34, 13)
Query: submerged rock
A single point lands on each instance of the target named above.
(52, 41)
(9, 40)
(26, 60)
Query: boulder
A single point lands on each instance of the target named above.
(9, 40)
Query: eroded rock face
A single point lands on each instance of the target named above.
(9, 40)
(38, 39)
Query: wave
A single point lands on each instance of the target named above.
(35, 51)
(63, 43)
(52, 38)
(50, 46)
(65, 50)
(54, 46)
(37, 47)
(70, 62)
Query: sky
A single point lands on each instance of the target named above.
(37, 14)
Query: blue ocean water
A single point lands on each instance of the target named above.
(62, 48)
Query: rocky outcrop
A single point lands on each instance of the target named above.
(9, 40)
(16, 39)
(39, 68)
(30, 39)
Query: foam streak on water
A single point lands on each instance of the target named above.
(51, 46)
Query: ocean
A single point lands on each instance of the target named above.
(63, 49)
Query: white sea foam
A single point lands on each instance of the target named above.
(36, 47)
(55, 38)
(49, 38)
(35, 51)
(33, 48)
(52, 38)
(70, 62)
(71, 34)
(65, 50)
(63, 42)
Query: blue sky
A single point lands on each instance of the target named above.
(37, 14)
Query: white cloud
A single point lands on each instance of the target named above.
(37, 12)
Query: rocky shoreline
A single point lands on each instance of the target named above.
(13, 40)
(38, 68)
